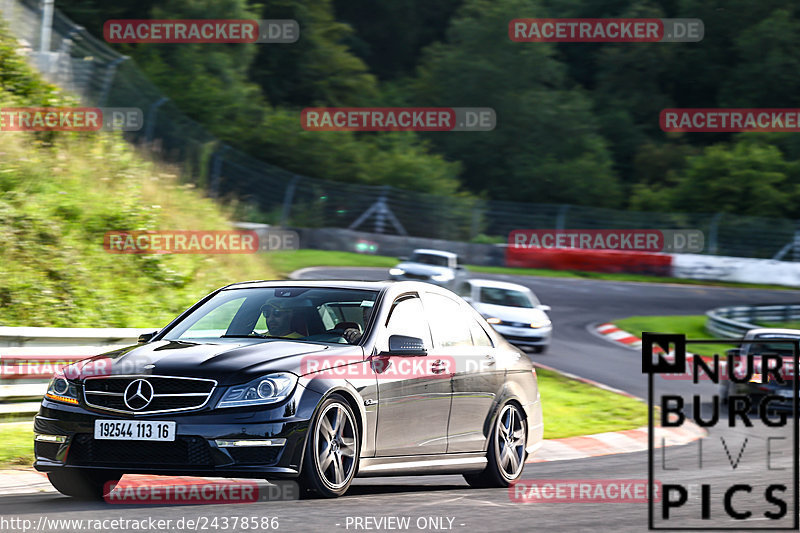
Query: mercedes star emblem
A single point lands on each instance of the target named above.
(138, 394)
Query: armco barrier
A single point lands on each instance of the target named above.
(734, 322)
(28, 355)
(589, 260)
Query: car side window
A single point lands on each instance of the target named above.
(449, 322)
(479, 335)
(407, 317)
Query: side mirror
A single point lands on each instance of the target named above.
(403, 259)
(145, 337)
(406, 346)
(545, 308)
(734, 352)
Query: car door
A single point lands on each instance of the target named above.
(412, 407)
(477, 379)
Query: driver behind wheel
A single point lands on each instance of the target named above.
(281, 322)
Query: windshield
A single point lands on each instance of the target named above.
(429, 259)
(763, 345)
(295, 313)
(507, 297)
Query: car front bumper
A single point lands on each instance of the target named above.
(525, 336)
(758, 391)
(195, 450)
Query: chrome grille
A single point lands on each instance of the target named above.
(166, 393)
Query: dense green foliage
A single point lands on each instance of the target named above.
(577, 122)
(61, 192)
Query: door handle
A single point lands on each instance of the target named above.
(489, 359)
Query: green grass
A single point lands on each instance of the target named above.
(17, 448)
(693, 326)
(573, 408)
(59, 195)
(286, 262)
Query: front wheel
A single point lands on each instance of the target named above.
(506, 453)
(332, 450)
(84, 484)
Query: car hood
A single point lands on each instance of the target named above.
(423, 269)
(229, 362)
(511, 314)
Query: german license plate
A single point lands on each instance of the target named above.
(134, 430)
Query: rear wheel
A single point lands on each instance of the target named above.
(84, 484)
(506, 453)
(332, 450)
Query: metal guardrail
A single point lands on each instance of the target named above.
(30, 356)
(734, 322)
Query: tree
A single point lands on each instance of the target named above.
(750, 177)
(546, 146)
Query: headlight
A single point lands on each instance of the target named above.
(396, 271)
(61, 390)
(444, 276)
(269, 389)
(540, 323)
(493, 320)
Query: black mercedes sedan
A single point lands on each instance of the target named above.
(314, 381)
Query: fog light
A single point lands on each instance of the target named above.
(249, 442)
(51, 438)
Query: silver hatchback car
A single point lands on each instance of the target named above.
(433, 266)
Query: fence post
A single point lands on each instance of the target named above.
(151, 118)
(561, 219)
(796, 246)
(476, 218)
(288, 197)
(713, 231)
(111, 70)
(47, 26)
(216, 170)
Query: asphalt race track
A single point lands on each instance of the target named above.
(446, 503)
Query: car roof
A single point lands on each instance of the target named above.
(498, 284)
(395, 286)
(435, 252)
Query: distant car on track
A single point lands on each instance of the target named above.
(762, 342)
(318, 381)
(513, 311)
(433, 266)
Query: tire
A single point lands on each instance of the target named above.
(332, 450)
(540, 349)
(84, 484)
(502, 469)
